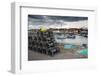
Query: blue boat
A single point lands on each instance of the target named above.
(69, 46)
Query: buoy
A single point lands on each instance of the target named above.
(43, 29)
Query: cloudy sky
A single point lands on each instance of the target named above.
(36, 21)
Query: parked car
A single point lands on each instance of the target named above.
(84, 34)
(71, 36)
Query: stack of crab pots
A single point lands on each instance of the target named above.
(43, 42)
